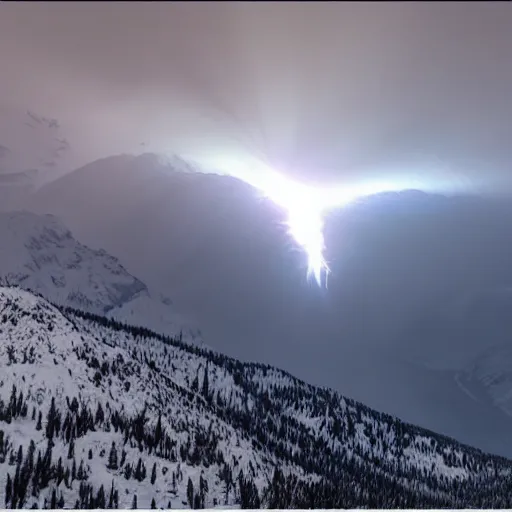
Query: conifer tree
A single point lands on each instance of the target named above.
(71, 448)
(153, 474)
(100, 498)
(111, 496)
(190, 493)
(206, 386)
(112, 458)
(50, 420)
(158, 430)
(203, 489)
(8, 490)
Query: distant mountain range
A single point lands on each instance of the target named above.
(230, 433)
(391, 330)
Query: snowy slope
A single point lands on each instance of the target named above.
(489, 377)
(45, 357)
(242, 433)
(40, 254)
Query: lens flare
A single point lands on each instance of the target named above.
(305, 209)
(306, 227)
(306, 205)
(305, 218)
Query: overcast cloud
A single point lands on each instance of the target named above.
(324, 91)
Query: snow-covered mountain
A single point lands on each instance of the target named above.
(95, 413)
(489, 378)
(39, 253)
(398, 262)
(484, 370)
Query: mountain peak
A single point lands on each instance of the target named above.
(39, 253)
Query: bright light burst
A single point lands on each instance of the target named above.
(307, 206)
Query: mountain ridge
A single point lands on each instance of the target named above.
(212, 239)
(39, 253)
(245, 434)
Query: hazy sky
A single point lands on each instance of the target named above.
(325, 91)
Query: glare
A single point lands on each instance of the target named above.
(305, 218)
(306, 206)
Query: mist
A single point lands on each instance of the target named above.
(324, 92)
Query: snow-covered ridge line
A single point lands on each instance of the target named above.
(165, 423)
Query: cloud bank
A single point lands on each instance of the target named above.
(324, 92)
